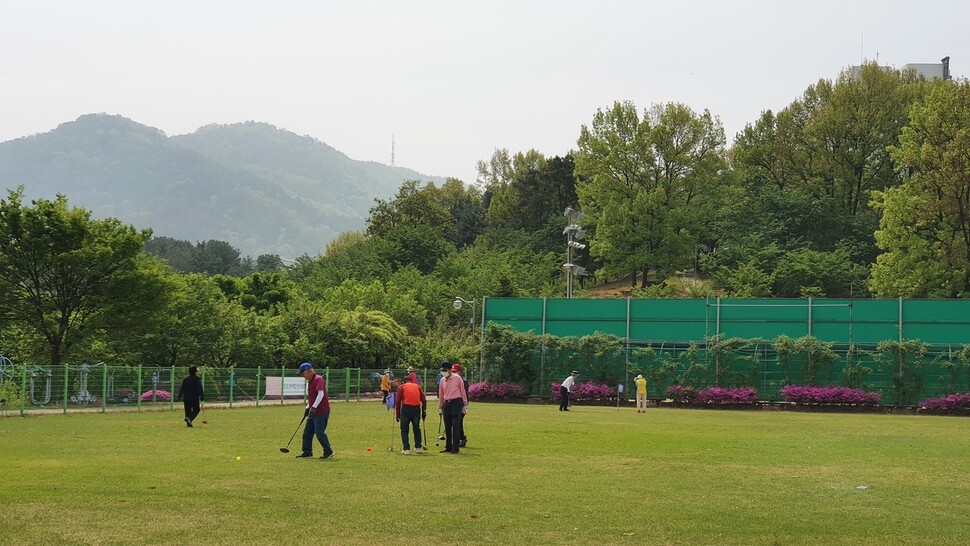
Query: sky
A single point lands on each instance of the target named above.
(448, 82)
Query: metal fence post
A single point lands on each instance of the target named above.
(104, 389)
(171, 392)
(66, 393)
(138, 394)
(259, 374)
(23, 390)
(232, 383)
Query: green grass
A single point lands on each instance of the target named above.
(531, 475)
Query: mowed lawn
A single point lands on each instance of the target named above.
(530, 475)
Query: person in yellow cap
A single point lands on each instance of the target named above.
(641, 394)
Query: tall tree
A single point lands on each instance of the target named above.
(62, 273)
(925, 228)
(649, 184)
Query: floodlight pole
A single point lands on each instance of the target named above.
(459, 301)
(572, 232)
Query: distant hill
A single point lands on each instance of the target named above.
(261, 189)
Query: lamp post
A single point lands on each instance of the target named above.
(457, 304)
(459, 301)
(573, 232)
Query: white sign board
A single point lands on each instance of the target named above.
(292, 387)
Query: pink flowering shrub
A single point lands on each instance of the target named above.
(682, 394)
(807, 394)
(727, 395)
(588, 391)
(163, 396)
(953, 404)
(495, 391)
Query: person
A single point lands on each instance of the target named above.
(641, 394)
(317, 413)
(385, 385)
(452, 403)
(564, 390)
(463, 440)
(411, 404)
(191, 394)
(412, 375)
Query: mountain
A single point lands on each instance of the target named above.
(261, 189)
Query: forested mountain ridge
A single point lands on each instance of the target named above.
(262, 189)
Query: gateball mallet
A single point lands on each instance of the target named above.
(287, 448)
(438, 441)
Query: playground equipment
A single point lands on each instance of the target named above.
(83, 396)
(34, 374)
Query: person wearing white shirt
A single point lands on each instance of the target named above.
(564, 390)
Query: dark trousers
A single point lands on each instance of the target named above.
(316, 425)
(452, 415)
(192, 409)
(563, 398)
(461, 430)
(410, 416)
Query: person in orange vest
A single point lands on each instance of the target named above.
(411, 404)
(385, 385)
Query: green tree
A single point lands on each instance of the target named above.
(925, 229)
(63, 274)
(649, 185)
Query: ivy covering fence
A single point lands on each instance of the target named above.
(904, 350)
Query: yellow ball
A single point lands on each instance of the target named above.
(238, 458)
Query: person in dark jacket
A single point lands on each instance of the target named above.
(456, 369)
(191, 394)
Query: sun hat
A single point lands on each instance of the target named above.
(639, 376)
(574, 372)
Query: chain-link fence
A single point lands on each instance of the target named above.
(101, 387)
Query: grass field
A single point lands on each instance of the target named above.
(531, 475)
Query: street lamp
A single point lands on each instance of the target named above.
(459, 301)
(573, 232)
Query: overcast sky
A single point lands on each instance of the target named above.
(452, 81)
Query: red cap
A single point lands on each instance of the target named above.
(456, 368)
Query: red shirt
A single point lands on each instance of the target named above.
(314, 386)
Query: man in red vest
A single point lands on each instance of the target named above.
(411, 404)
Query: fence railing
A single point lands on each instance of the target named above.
(101, 387)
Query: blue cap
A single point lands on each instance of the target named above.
(305, 366)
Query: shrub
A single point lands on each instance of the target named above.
(727, 395)
(807, 394)
(588, 391)
(124, 394)
(9, 395)
(682, 394)
(495, 391)
(953, 404)
(159, 395)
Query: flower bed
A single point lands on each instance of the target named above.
(493, 392)
(681, 394)
(159, 396)
(587, 392)
(807, 394)
(735, 397)
(953, 404)
(727, 396)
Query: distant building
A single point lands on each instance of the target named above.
(929, 71)
(932, 70)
